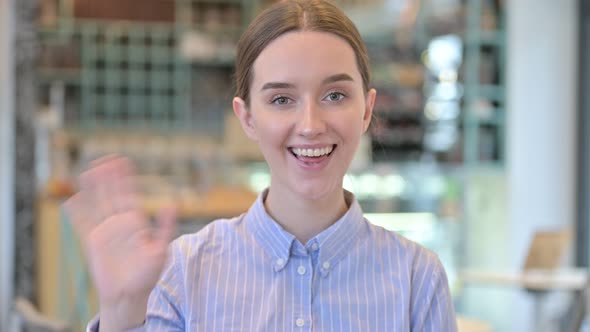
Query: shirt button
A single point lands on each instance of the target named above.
(299, 322)
(280, 262)
(314, 246)
(301, 270)
(326, 265)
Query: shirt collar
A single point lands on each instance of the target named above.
(269, 234)
(333, 243)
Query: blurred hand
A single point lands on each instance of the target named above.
(125, 252)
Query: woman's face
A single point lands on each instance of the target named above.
(307, 111)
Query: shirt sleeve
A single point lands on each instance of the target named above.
(93, 326)
(432, 303)
(164, 310)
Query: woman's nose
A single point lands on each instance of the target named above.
(311, 121)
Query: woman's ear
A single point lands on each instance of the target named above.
(245, 117)
(369, 104)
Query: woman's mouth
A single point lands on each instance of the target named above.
(309, 154)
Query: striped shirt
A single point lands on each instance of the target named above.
(249, 274)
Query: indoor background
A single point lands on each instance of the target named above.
(479, 149)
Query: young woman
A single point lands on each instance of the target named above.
(303, 257)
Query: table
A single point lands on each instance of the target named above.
(539, 282)
(465, 324)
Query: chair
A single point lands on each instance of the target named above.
(542, 273)
(547, 249)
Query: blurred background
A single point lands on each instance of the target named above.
(480, 149)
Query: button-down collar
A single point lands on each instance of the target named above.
(338, 239)
(269, 234)
(333, 243)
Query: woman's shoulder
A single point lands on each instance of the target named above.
(399, 247)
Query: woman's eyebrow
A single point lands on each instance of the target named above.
(277, 85)
(327, 80)
(337, 78)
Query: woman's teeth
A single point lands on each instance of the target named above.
(313, 152)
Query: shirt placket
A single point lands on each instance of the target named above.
(303, 278)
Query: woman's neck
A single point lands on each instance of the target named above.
(304, 218)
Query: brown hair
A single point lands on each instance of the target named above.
(293, 15)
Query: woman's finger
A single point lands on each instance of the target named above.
(111, 186)
(166, 226)
(124, 186)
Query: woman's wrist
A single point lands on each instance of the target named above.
(122, 316)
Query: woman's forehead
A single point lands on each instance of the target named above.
(305, 54)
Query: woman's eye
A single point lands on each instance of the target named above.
(335, 96)
(280, 101)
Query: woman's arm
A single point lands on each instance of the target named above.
(432, 305)
(125, 253)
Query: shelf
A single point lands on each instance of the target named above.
(200, 48)
(491, 38)
(490, 92)
(126, 65)
(494, 120)
(234, 31)
(211, 2)
(399, 114)
(399, 137)
(70, 76)
(483, 104)
(215, 63)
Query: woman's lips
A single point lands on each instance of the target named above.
(313, 163)
(312, 152)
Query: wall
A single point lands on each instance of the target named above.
(26, 49)
(6, 162)
(583, 236)
(541, 96)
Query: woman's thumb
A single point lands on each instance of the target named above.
(166, 225)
